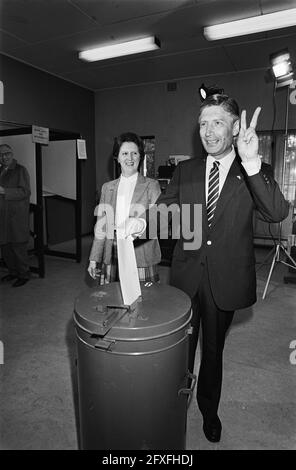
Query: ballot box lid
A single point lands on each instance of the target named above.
(162, 309)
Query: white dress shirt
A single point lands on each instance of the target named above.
(125, 193)
(252, 167)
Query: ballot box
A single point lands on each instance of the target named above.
(132, 368)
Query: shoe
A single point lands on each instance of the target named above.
(19, 282)
(213, 430)
(8, 278)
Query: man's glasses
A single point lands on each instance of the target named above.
(5, 154)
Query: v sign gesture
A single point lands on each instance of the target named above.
(247, 141)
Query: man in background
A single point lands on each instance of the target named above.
(14, 217)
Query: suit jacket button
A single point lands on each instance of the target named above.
(209, 242)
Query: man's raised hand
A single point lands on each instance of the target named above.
(247, 142)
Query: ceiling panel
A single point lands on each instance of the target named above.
(9, 42)
(270, 6)
(171, 67)
(62, 55)
(115, 11)
(256, 54)
(48, 34)
(40, 20)
(221, 11)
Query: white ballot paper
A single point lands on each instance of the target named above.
(128, 272)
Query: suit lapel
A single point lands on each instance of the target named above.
(197, 181)
(111, 193)
(112, 188)
(233, 181)
(198, 188)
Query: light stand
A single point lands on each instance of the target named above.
(279, 244)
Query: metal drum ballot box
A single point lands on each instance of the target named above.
(132, 368)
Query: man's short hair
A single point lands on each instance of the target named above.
(227, 103)
(7, 146)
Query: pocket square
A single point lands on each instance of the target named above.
(239, 177)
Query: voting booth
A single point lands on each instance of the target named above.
(55, 180)
(132, 368)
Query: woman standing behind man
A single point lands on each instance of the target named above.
(123, 195)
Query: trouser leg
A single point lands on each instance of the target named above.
(193, 337)
(215, 323)
(9, 258)
(22, 259)
(16, 258)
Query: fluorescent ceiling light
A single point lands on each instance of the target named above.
(149, 43)
(255, 24)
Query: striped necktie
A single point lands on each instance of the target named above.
(213, 191)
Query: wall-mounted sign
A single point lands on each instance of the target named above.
(81, 149)
(40, 135)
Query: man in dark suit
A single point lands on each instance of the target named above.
(219, 276)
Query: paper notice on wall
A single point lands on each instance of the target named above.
(81, 149)
(128, 272)
(40, 135)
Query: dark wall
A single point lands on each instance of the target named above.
(172, 115)
(35, 97)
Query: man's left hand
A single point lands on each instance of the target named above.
(247, 141)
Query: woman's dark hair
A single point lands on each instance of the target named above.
(128, 137)
(227, 103)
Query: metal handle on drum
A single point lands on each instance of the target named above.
(189, 391)
(104, 344)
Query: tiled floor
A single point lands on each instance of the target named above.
(38, 405)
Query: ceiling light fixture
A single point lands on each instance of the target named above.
(255, 24)
(149, 43)
(205, 91)
(282, 69)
